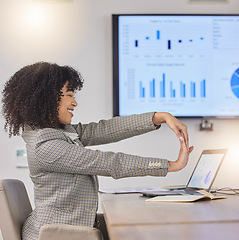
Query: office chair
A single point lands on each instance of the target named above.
(15, 207)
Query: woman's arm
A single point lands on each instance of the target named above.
(54, 154)
(115, 129)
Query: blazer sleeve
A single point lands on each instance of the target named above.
(113, 130)
(53, 153)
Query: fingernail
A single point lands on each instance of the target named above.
(181, 138)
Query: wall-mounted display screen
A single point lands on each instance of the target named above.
(187, 65)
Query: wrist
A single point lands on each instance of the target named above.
(171, 167)
(174, 166)
(159, 118)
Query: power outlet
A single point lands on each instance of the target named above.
(21, 158)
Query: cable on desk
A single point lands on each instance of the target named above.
(228, 191)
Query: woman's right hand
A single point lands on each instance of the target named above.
(183, 157)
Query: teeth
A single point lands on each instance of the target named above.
(69, 110)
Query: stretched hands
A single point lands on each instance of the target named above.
(181, 132)
(182, 160)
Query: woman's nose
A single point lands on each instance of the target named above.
(74, 103)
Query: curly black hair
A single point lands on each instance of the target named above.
(31, 96)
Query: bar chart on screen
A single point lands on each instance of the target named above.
(157, 89)
(164, 43)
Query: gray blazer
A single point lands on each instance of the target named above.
(64, 172)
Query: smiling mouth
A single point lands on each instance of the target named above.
(70, 111)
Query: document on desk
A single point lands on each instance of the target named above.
(130, 190)
(186, 198)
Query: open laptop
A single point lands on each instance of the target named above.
(202, 177)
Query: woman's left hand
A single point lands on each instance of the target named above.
(179, 128)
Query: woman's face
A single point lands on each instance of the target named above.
(67, 104)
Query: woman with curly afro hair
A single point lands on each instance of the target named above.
(38, 103)
(30, 95)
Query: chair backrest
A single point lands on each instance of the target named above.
(15, 207)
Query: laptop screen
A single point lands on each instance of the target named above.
(206, 169)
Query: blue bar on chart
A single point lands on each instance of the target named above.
(152, 88)
(182, 89)
(136, 43)
(203, 88)
(162, 87)
(172, 91)
(158, 35)
(141, 90)
(193, 89)
(169, 44)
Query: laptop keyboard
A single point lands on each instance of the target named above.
(188, 192)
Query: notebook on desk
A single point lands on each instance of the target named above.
(201, 179)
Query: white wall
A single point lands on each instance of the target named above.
(79, 34)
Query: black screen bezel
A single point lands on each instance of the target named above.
(115, 51)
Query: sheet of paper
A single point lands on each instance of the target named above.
(176, 198)
(130, 190)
